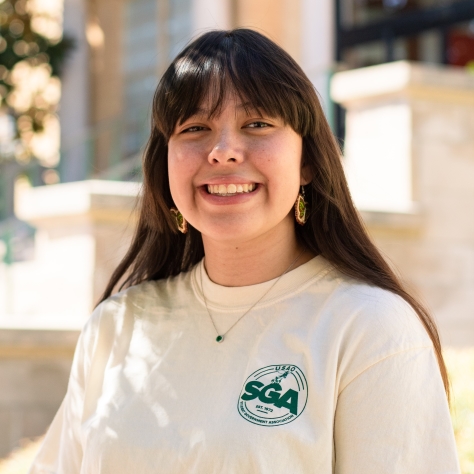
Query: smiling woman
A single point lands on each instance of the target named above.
(258, 329)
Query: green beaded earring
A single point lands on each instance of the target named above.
(181, 222)
(301, 208)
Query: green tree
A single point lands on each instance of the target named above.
(20, 43)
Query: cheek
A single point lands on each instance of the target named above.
(283, 165)
(181, 169)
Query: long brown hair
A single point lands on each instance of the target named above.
(264, 75)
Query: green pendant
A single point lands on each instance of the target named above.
(219, 338)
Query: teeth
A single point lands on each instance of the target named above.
(230, 189)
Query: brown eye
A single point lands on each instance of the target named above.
(193, 129)
(258, 125)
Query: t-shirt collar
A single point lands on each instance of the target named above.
(239, 298)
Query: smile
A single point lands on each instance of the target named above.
(230, 189)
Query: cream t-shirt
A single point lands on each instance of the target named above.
(324, 375)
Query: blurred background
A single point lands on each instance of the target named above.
(396, 79)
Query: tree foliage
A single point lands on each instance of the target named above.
(20, 43)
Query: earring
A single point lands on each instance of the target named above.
(181, 222)
(301, 208)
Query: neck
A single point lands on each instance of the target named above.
(254, 261)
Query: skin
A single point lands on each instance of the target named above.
(248, 238)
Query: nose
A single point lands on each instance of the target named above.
(226, 148)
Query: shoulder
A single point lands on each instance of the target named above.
(116, 316)
(364, 324)
(164, 293)
(381, 315)
(382, 308)
(359, 309)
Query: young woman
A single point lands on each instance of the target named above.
(260, 330)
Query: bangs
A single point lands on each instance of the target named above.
(240, 62)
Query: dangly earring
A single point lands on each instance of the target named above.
(301, 208)
(181, 222)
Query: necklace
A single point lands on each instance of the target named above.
(220, 337)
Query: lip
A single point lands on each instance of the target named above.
(227, 200)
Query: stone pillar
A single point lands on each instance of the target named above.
(409, 155)
(280, 20)
(74, 110)
(317, 46)
(105, 35)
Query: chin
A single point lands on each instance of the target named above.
(230, 235)
(231, 231)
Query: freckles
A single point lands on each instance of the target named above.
(190, 154)
(176, 155)
(264, 152)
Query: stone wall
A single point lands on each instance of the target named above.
(409, 156)
(82, 231)
(34, 370)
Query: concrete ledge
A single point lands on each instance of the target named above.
(406, 221)
(37, 343)
(109, 200)
(405, 79)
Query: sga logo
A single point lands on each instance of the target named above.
(274, 395)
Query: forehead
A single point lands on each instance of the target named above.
(231, 102)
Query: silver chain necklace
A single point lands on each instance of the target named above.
(220, 337)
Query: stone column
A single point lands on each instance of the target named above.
(280, 20)
(409, 155)
(74, 110)
(317, 46)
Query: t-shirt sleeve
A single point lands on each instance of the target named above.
(393, 418)
(61, 451)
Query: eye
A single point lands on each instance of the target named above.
(258, 124)
(194, 128)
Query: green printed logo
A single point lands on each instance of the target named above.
(274, 395)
